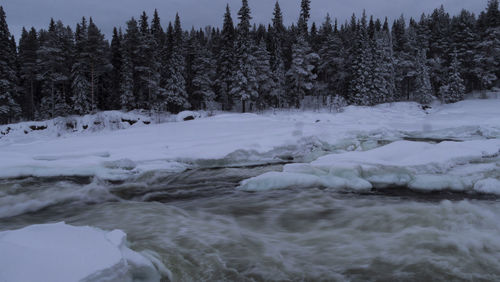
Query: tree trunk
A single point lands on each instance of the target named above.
(32, 101)
(243, 106)
(92, 90)
(53, 99)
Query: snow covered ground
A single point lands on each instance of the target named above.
(60, 252)
(250, 138)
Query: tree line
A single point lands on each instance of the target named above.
(60, 71)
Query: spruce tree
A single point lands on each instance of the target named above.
(81, 100)
(53, 72)
(332, 70)
(464, 40)
(9, 108)
(203, 77)
(360, 85)
(423, 87)
(277, 60)
(28, 47)
(305, 14)
(300, 76)
(116, 63)
(129, 81)
(175, 87)
(454, 90)
(225, 61)
(265, 81)
(244, 86)
(487, 57)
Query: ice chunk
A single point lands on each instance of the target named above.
(60, 252)
(488, 186)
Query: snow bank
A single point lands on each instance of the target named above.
(175, 146)
(60, 252)
(416, 165)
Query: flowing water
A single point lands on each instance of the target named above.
(203, 229)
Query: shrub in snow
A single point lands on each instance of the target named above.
(336, 103)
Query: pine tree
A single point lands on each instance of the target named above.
(265, 82)
(9, 108)
(129, 81)
(423, 88)
(203, 76)
(300, 76)
(332, 69)
(383, 69)
(454, 91)
(305, 14)
(81, 100)
(53, 72)
(28, 47)
(116, 62)
(245, 85)
(175, 87)
(487, 58)
(464, 41)
(360, 85)
(225, 61)
(277, 60)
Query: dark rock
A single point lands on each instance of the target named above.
(189, 118)
(34, 127)
(131, 122)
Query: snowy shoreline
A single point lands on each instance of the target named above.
(111, 154)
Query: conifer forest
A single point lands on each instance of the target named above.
(158, 66)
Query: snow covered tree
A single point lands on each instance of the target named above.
(177, 96)
(265, 81)
(454, 90)
(487, 57)
(97, 49)
(383, 86)
(203, 76)
(362, 76)
(305, 15)
(464, 39)
(81, 100)
(28, 46)
(300, 76)
(225, 62)
(128, 76)
(53, 71)
(332, 69)
(423, 87)
(277, 58)
(9, 108)
(116, 63)
(244, 86)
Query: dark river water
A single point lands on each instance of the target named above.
(203, 229)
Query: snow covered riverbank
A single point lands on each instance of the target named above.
(240, 138)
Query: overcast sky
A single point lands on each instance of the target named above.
(199, 13)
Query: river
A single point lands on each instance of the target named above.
(203, 229)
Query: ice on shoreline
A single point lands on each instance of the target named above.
(60, 252)
(418, 166)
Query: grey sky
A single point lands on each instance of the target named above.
(199, 13)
